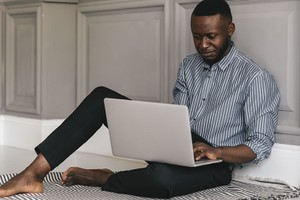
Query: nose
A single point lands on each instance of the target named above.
(204, 43)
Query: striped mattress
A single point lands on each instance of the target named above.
(234, 191)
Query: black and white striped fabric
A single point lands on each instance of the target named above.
(234, 191)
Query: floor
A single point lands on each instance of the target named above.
(14, 160)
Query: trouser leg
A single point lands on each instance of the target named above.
(160, 180)
(86, 119)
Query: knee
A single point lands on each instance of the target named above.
(100, 90)
(103, 92)
(97, 96)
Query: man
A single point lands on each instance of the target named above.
(233, 106)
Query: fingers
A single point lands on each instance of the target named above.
(202, 150)
(199, 149)
(199, 154)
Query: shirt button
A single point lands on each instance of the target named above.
(203, 99)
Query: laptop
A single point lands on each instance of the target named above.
(150, 131)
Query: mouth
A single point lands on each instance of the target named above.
(207, 54)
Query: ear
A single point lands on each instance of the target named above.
(231, 29)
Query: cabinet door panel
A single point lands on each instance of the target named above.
(123, 50)
(22, 61)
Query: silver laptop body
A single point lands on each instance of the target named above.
(151, 131)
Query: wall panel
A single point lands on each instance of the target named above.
(2, 75)
(40, 60)
(22, 77)
(123, 49)
(268, 33)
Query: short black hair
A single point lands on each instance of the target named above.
(213, 7)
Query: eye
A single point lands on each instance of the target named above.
(197, 37)
(211, 36)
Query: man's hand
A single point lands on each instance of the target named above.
(202, 150)
(237, 155)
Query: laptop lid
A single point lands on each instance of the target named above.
(151, 131)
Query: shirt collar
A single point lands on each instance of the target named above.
(223, 64)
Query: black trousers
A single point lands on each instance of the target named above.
(157, 180)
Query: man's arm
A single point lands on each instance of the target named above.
(237, 155)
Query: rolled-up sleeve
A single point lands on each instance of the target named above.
(261, 115)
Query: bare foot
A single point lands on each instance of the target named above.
(28, 181)
(22, 183)
(91, 177)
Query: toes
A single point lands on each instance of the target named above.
(68, 172)
(75, 175)
(21, 184)
(68, 180)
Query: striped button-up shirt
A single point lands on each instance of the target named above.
(230, 103)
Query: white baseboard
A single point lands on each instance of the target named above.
(27, 133)
(20, 132)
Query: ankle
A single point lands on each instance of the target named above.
(39, 168)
